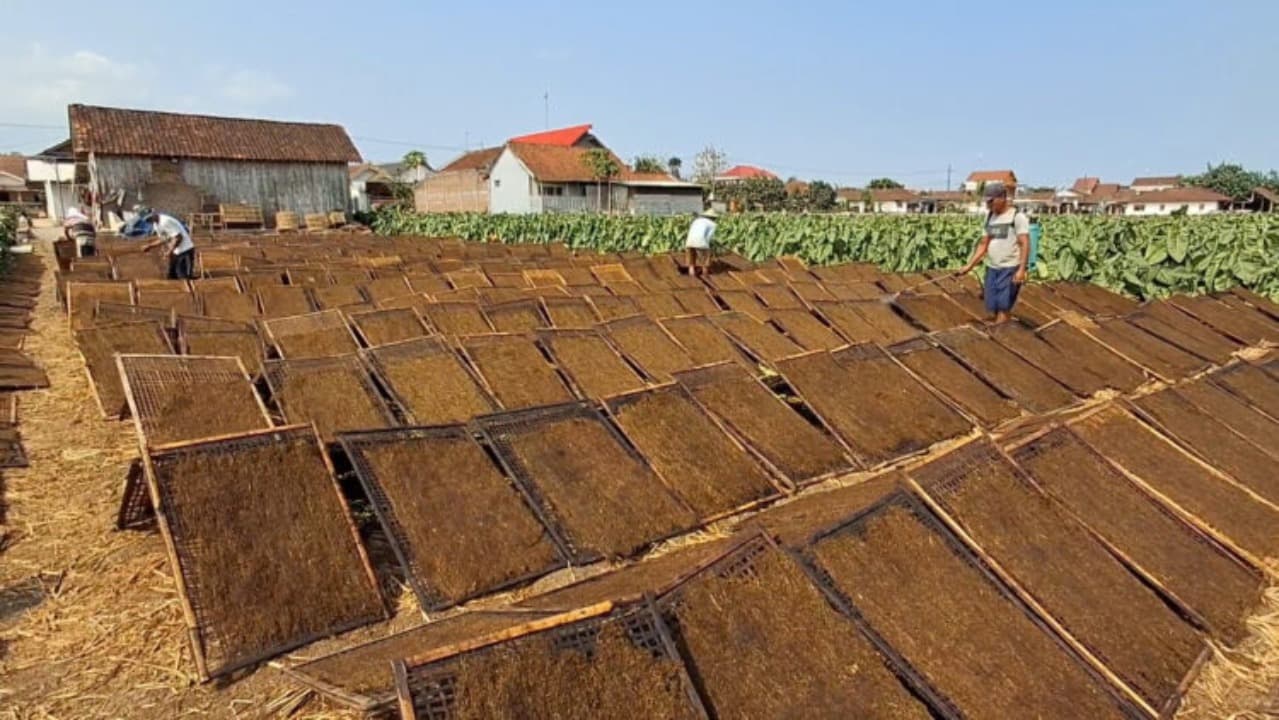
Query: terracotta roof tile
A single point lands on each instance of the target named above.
(15, 165)
(553, 163)
(1006, 177)
(1177, 195)
(1085, 185)
(743, 172)
(115, 131)
(1156, 181)
(481, 159)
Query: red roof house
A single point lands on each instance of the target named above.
(744, 172)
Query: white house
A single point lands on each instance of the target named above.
(55, 168)
(1151, 184)
(370, 185)
(548, 172)
(889, 201)
(1191, 200)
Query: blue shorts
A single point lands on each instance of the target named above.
(1001, 291)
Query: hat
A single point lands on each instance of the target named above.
(995, 190)
(710, 213)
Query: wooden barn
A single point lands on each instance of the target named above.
(190, 165)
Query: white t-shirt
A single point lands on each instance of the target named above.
(1003, 251)
(169, 227)
(700, 234)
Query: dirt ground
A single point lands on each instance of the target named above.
(101, 635)
(90, 623)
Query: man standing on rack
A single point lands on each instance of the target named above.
(180, 249)
(1005, 245)
(697, 247)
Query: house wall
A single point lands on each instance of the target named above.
(298, 187)
(58, 179)
(1192, 208)
(453, 191)
(665, 201)
(511, 188)
(891, 208)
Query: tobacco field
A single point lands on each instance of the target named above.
(1142, 257)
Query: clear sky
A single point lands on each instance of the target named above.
(841, 91)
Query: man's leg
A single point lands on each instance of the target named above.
(706, 261)
(990, 295)
(690, 259)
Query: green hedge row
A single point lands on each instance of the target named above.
(1145, 257)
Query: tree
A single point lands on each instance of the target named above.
(603, 167)
(708, 165)
(414, 159)
(821, 195)
(1234, 180)
(648, 164)
(883, 184)
(755, 193)
(673, 165)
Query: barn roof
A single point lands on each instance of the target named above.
(117, 131)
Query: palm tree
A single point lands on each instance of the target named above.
(673, 165)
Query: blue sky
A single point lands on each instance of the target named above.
(842, 91)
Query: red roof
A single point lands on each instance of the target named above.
(743, 172)
(116, 131)
(564, 137)
(993, 176)
(1085, 185)
(15, 165)
(1178, 195)
(481, 160)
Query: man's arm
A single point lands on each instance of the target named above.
(1023, 252)
(978, 254)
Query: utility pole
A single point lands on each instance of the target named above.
(546, 110)
(947, 177)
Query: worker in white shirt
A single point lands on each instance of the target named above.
(78, 228)
(179, 247)
(698, 245)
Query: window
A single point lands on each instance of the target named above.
(1138, 208)
(553, 190)
(497, 183)
(1161, 207)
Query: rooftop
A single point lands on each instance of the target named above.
(118, 131)
(744, 172)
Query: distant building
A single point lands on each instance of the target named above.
(371, 187)
(55, 169)
(185, 164)
(14, 189)
(547, 173)
(460, 186)
(1151, 184)
(738, 173)
(1263, 200)
(952, 201)
(888, 201)
(1190, 200)
(979, 178)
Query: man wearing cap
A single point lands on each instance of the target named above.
(700, 234)
(1005, 245)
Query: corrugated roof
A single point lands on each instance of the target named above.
(481, 159)
(563, 137)
(117, 131)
